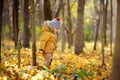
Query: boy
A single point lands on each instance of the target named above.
(48, 39)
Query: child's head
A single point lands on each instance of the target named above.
(53, 24)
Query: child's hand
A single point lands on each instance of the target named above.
(41, 51)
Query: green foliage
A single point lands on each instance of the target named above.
(92, 64)
(6, 28)
(88, 30)
(47, 69)
(21, 26)
(59, 71)
(37, 28)
(88, 22)
(82, 72)
(6, 31)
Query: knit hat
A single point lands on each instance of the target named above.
(55, 23)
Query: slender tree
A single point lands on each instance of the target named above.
(54, 5)
(79, 37)
(47, 10)
(105, 6)
(11, 19)
(69, 25)
(33, 34)
(6, 14)
(26, 38)
(58, 9)
(102, 19)
(111, 14)
(97, 12)
(19, 47)
(1, 9)
(116, 58)
(15, 21)
(40, 10)
(63, 27)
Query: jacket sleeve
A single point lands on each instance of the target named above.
(43, 40)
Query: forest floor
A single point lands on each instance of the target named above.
(65, 66)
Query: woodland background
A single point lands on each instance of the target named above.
(87, 43)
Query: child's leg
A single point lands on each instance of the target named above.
(48, 59)
(48, 63)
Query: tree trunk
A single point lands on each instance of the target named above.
(116, 58)
(79, 37)
(63, 27)
(58, 9)
(6, 13)
(33, 34)
(53, 5)
(105, 22)
(15, 21)
(11, 20)
(40, 11)
(26, 38)
(102, 19)
(111, 14)
(96, 26)
(47, 10)
(1, 10)
(96, 33)
(69, 25)
(19, 47)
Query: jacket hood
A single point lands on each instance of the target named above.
(46, 28)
